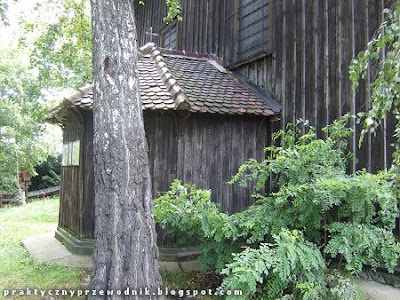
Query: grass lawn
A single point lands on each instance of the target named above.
(17, 269)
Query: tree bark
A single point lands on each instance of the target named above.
(125, 252)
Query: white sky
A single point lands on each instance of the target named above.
(16, 9)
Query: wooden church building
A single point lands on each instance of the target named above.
(205, 114)
(201, 121)
(297, 51)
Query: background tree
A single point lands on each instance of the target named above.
(60, 46)
(3, 10)
(48, 174)
(49, 49)
(125, 252)
(21, 132)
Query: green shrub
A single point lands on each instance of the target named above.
(48, 174)
(314, 204)
(291, 265)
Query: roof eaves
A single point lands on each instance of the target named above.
(176, 91)
(273, 104)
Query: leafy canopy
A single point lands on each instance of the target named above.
(61, 45)
(53, 52)
(21, 143)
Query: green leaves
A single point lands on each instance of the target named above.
(363, 244)
(315, 210)
(53, 52)
(291, 265)
(174, 11)
(384, 52)
(21, 115)
(62, 51)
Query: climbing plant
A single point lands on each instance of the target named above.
(382, 52)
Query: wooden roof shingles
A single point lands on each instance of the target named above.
(172, 81)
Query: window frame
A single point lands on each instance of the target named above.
(167, 30)
(234, 19)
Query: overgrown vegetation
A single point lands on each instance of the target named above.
(317, 218)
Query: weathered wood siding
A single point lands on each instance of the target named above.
(313, 43)
(87, 209)
(77, 185)
(202, 149)
(71, 179)
(200, 31)
(205, 150)
(304, 65)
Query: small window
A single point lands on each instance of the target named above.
(71, 152)
(253, 28)
(247, 31)
(168, 37)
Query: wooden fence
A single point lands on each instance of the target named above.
(47, 192)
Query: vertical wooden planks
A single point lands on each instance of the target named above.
(190, 26)
(226, 165)
(71, 209)
(290, 61)
(189, 151)
(326, 54)
(196, 27)
(309, 61)
(221, 39)
(88, 177)
(217, 24)
(377, 141)
(333, 60)
(312, 42)
(181, 42)
(300, 61)
(316, 64)
(237, 143)
(280, 48)
(321, 65)
(360, 39)
(202, 23)
(346, 53)
(214, 157)
(331, 34)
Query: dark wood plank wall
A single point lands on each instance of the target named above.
(71, 191)
(202, 149)
(311, 43)
(87, 219)
(205, 150)
(202, 28)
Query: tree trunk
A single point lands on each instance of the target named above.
(125, 251)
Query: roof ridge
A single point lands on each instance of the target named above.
(78, 93)
(177, 92)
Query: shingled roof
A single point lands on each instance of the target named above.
(178, 81)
